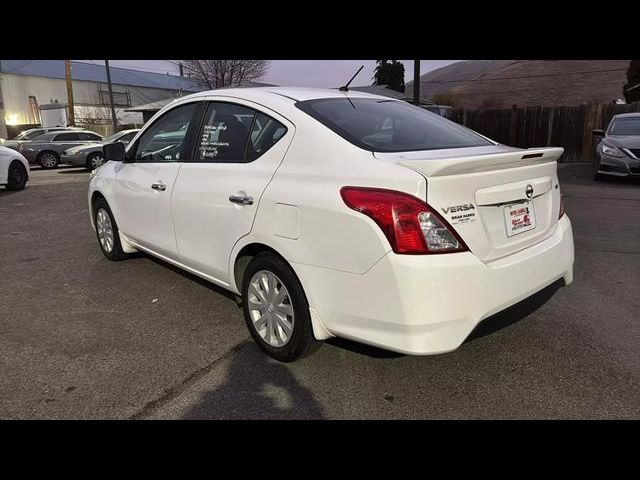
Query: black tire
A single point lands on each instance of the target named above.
(17, 176)
(90, 158)
(116, 254)
(48, 159)
(301, 342)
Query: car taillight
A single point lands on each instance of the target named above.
(561, 206)
(410, 225)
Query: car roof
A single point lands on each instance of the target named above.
(53, 133)
(293, 93)
(625, 115)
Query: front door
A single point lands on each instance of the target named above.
(146, 181)
(216, 195)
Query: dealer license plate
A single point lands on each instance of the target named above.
(519, 218)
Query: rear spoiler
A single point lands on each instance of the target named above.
(432, 165)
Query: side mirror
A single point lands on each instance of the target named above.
(114, 152)
(598, 132)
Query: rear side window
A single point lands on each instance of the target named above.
(389, 125)
(66, 137)
(235, 134)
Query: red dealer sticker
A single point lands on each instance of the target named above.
(519, 218)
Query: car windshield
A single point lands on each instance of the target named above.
(29, 134)
(388, 125)
(114, 137)
(625, 126)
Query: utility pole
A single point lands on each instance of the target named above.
(114, 121)
(181, 69)
(416, 82)
(3, 126)
(71, 120)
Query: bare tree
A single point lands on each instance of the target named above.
(223, 73)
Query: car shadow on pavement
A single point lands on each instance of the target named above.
(5, 192)
(514, 313)
(258, 388)
(73, 171)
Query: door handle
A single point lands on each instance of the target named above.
(159, 186)
(241, 199)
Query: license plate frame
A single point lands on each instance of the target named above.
(519, 218)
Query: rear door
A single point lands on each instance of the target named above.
(238, 148)
(146, 181)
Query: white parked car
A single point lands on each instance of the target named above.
(337, 214)
(14, 169)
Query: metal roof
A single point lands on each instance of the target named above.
(97, 73)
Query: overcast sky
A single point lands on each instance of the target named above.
(303, 73)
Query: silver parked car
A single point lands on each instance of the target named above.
(618, 153)
(45, 150)
(32, 134)
(90, 155)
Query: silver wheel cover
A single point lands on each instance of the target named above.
(105, 230)
(270, 308)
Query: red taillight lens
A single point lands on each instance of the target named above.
(410, 225)
(561, 207)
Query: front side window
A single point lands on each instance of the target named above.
(389, 125)
(164, 141)
(625, 126)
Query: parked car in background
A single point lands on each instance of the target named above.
(14, 169)
(337, 214)
(46, 149)
(31, 134)
(91, 156)
(618, 153)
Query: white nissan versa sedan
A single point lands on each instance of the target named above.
(337, 213)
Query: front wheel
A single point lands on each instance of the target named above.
(17, 176)
(276, 310)
(107, 231)
(94, 161)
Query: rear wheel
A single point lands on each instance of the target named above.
(48, 160)
(276, 310)
(94, 161)
(107, 231)
(17, 176)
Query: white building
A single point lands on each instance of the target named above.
(27, 84)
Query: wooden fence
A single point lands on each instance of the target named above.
(568, 127)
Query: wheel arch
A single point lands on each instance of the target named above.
(244, 252)
(24, 165)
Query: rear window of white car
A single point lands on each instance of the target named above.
(389, 125)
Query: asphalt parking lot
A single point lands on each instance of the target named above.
(85, 338)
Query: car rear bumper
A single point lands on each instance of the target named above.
(429, 304)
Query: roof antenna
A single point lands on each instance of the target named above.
(345, 88)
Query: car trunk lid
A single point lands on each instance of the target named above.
(499, 199)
